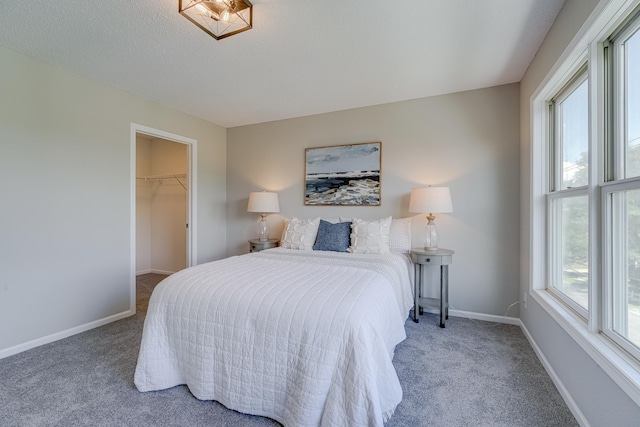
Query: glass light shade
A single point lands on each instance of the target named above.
(218, 18)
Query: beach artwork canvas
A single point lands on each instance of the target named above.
(343, 175)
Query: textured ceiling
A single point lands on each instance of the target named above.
(302, 57)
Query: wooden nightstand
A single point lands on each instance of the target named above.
(437, 258)
(256, 245)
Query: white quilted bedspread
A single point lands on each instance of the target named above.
(305, 338)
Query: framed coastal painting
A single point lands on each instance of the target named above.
(347, 175)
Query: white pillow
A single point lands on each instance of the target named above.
(337, 219)
(370, 236)
(400, 235)
(334, 220)
(300, 233)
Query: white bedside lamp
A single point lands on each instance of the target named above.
(264, 203)
(430, 200)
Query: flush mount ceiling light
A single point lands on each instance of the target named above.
(218, 18)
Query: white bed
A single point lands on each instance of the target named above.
(302, 337)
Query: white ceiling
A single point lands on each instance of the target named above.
(302, 57)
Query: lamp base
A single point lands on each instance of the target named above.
(263, 228)
(430, 234)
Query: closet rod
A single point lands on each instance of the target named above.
(177, 177)
(157, 177)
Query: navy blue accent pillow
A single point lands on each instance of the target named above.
(333, 237)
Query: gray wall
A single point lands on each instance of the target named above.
(65, 188)
(601, 401)
(467, 141)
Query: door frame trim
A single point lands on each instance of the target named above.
(192, 157)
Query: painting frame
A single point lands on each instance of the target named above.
(343, 175)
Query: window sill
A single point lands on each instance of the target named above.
(623, 370)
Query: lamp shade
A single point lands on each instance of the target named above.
(430, 200)
(263, 202)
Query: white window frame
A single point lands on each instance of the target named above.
(615, 258)
(556, 175)
(552, 272)
(611, 257)
(555, 191)
(587, 46)
(620, 107)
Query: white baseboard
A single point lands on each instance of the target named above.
(477, 316)
(573, 407)
(166, 273)
(485, 317)
(63, 334)
(73, 331)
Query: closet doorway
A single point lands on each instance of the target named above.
(162, 203)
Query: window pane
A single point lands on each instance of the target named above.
(574, 137)
(570, 248)
(632, 97)
(625, 301)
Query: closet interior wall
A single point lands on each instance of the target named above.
(161, 205)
